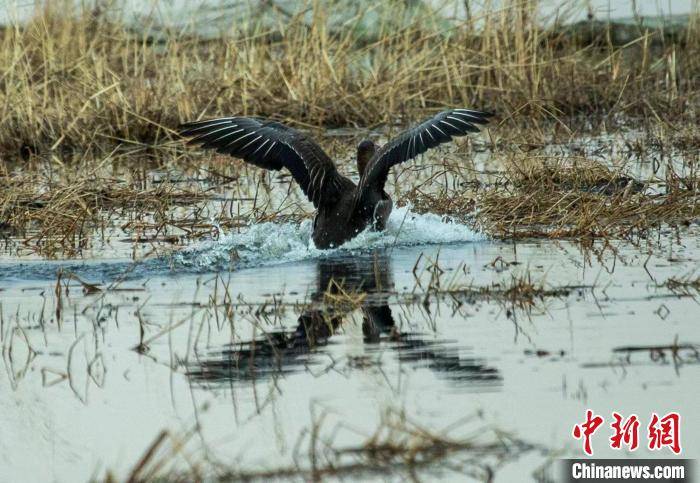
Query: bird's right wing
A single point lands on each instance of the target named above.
(417, 140)
(272, 145)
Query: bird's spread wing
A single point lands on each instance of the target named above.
(272, 145)
(417, 140)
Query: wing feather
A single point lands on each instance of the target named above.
(272, 145)
(409, 144)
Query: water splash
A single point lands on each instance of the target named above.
(276, 243)
(259, 245)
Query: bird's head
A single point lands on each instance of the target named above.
(365, 151)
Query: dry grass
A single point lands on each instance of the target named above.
(86, 83)
(83, 94)
(687, 285)
(517, 295)
(397, 446)
(59, 215)
(572, 197)
(65, 210)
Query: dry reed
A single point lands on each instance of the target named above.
(574, 198)
(80, 81)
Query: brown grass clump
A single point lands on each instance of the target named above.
(55, 215)
(444, 202)
(397, 446)
(81, 81)
(573, 197)
(683, 285)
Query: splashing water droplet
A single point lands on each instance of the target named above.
(273, 243)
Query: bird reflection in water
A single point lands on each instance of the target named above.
(365, 279)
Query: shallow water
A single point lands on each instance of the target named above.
(255, 246)
(248, 353)
(255, 351)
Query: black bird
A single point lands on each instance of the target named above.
(343, 208)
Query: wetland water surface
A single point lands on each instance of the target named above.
(165, 316)
(300, 358)
(430, 348)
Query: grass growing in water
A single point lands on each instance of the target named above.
(571, 198)
(83, 93)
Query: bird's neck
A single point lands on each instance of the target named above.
(362, 161)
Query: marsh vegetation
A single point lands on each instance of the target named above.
(549, 262)
(89, 106)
